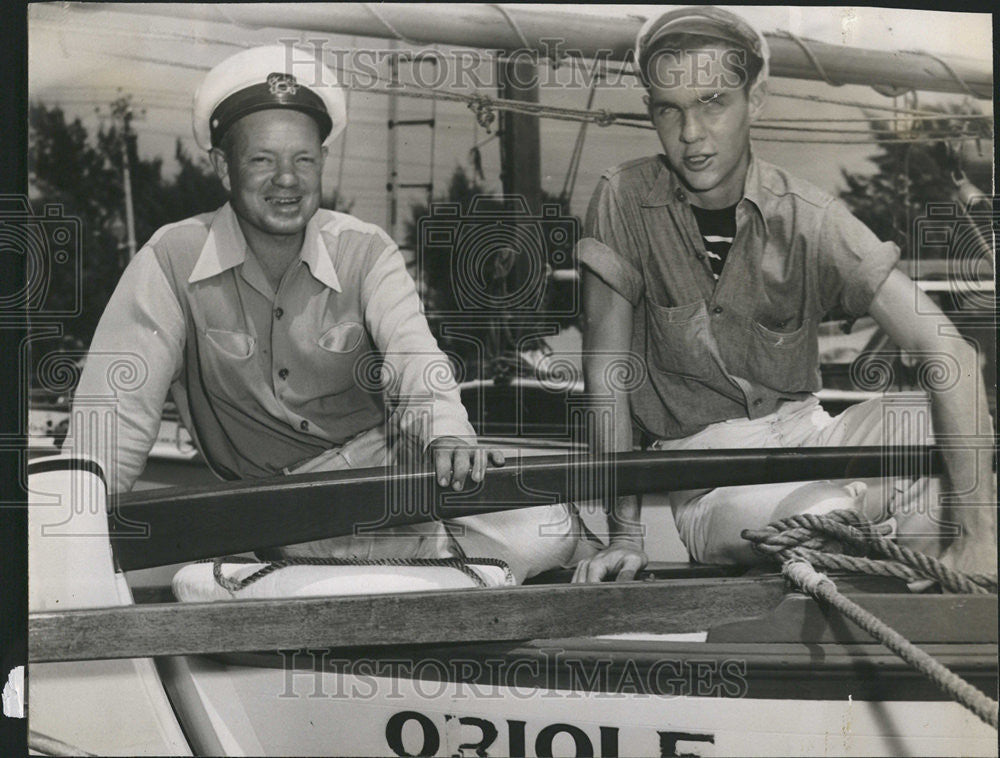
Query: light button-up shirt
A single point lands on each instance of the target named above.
(265, 379)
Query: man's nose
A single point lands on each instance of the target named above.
(285, 174)
(691, 130)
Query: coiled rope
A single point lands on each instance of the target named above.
(802, 542)
(865, 550)
(462, 564)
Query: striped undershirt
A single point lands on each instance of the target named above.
(717, 227)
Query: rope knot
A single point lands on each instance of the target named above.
(801, 573)
(604, 117)
(482, 106)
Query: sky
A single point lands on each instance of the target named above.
(80, 55)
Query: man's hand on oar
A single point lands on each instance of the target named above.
(455, 458)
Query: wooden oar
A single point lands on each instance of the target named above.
(508, 613)
(163, 526)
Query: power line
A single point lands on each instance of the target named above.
(146, 34)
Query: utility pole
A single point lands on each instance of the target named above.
(393, 169)
(122, 113)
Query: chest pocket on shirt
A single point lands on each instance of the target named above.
(230, 362)
(678, 339)
(342, 338)
(784, 360)
(340, 348)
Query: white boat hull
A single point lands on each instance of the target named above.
(242, 710)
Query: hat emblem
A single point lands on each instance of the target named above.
(282, 84)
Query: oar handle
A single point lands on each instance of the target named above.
(158, 527)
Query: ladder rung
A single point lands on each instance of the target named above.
(412, 122)
(410, 185)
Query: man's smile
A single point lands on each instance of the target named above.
(698, 161)
(284, 202)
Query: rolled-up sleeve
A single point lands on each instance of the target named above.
(606, 246)
(135, 355)
(853, 262)
(419, 377)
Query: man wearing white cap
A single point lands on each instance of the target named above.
(717, 268)
(263, 319)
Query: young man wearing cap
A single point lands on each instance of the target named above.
(264, 317)
(717, 268)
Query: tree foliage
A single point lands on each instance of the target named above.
(910, 175)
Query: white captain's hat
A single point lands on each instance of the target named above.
(274, 76)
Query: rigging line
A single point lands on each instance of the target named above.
(112, 91)
(393, 30)
(131, 33)
(224, 12)
(577, 62)
(810, 55)
(926, 114)
(566, 114)
(947, 67)
(343, 136)
(574, 161)
(343, 141)
(144, 130)
(482, 141)
(872, 141)
(148, 59)
(943, 116)
(853, 104)
(141, 102)
(602, 118)
(834, 130)
(766, 124)
(512, 23)
(854, 119)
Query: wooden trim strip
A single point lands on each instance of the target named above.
(515, 613)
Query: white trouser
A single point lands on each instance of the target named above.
(709, 520)
(529, 540)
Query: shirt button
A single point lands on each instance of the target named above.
(717, 309)
(757, 402)
(680, 194)
(283, 374)
(304, 426)
(699, 256)
(278, 313)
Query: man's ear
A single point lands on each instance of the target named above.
(757, 96)
(324, 151)
(221, 165)
(648, 103)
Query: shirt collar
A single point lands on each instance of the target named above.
(225, 248)
(668, 190)
(316, 256)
